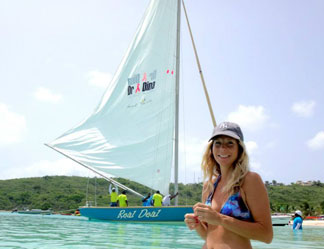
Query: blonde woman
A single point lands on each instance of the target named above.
(235, 205)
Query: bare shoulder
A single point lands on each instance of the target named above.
(252, 180)
(258, 202)
(253, 176)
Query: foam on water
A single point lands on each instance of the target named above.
(59, 231)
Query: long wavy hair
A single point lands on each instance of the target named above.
(211, 169)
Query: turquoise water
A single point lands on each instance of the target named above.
(59, 231)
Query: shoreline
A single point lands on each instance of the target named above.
(316, 223)
(313, 223)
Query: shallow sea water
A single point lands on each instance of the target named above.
(59, 231)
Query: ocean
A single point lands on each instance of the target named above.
(60, 231)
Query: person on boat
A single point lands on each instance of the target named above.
(122, 199)
(157, 199)
(235, 206)
(147, 201)
(167, 199)
(77, 212)
(113, 198)
(298, 220)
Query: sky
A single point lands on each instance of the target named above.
(262, 62)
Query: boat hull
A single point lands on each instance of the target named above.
(144, 214)
(35, 211)
(153, 214)
(280, 220)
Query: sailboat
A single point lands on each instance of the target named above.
(133, 132)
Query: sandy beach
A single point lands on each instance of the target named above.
(318, 223)
(313, 223)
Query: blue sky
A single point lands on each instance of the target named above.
(262, 60)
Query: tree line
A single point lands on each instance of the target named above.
(66, 193)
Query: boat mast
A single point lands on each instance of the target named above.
(199, 68)
(176, 142)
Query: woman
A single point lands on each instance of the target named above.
(235, 205)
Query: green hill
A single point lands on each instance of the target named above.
(65, 194)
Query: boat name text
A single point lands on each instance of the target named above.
(144, 213)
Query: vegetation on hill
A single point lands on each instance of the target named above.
(65, 194)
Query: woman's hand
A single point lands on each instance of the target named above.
(206, 214)
(191, 221)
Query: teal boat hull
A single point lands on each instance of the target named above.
(144, 214)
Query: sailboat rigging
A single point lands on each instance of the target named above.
(133, 132)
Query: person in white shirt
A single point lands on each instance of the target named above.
(167, 199)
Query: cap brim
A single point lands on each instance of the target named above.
(225, 133)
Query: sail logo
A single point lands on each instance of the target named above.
(137, 85)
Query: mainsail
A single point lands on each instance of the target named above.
(131, 132)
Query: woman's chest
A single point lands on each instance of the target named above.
(218, 200)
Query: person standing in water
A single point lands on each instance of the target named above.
(235, 206)
(298, 220)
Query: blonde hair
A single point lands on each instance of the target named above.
(211, 169)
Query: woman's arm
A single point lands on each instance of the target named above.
(258, 203)
(192, 220)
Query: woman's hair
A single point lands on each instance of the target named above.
(211, 169)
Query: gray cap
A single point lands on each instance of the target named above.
(228, 129)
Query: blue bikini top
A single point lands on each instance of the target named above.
(234, 206)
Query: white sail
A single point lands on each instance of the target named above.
(130, 133)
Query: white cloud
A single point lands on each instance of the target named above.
(249, 117)
(99, 79)
(304, 109)
(256, 166)
(251, 147)
(12, 126)
(316, 142)
(62, 166)
(191, 152)
(46, 95)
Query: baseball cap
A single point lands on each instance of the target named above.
(298, 212)
(228, 129)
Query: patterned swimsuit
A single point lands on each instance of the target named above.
(234, 206)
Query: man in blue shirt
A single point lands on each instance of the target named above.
(147, 201)
(298, 221)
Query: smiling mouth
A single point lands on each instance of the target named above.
(223, 156)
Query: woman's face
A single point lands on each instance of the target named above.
(225, 150)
